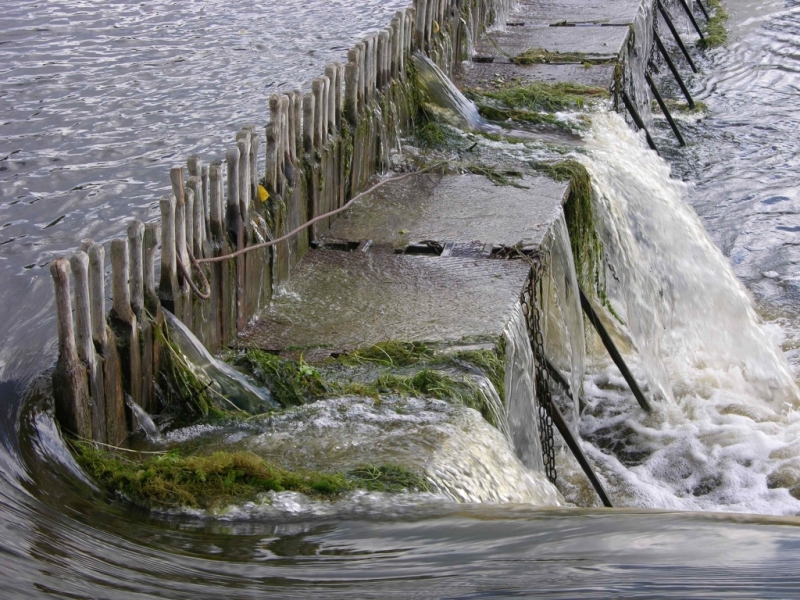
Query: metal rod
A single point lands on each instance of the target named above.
(577, 451)
(674, 70)
(638, 120)
(556, 376)
(703, 8)
(612, 350)
(664, 108)
(692, 19)
(677, 37)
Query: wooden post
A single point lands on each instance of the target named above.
(152, 231)
(168, 291)
(243, 145)
(297, 119)
(361, 49)
(128, 335)
(351, 93)
(383, 58)
(233, 215)
(79, 263)
(215, 198)
(422, 14)
(286, 159)
(188, 199)
(410, 29)
(197, 170)
(197, 225)
(255, 143)
(326, 92)
(271, 160)
(430, 15)
(70, 382)
(97, 294)
(330, 122)
(206, 202)
(369, 73)
(318, 90)
(309, 105)
(136, 283)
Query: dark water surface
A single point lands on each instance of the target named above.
(98, 99)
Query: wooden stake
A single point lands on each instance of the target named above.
(70, 382)
(136, 283)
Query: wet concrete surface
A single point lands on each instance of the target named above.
(453, 208)
(338, 301)
(579, 12)
(592, 43)
(483, 75)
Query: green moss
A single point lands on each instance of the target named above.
(213, 481)
(676, 106)
(290, 382)
(540, 96)
(587, 249)
(716, 32)
(497, 176)
(537, 56)
(492, 363)
(182, 392)
(390, 354)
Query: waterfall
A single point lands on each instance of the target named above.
(565, 345)
(724, 435)
(673, 288)
(520, 393)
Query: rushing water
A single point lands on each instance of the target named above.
(97, 99)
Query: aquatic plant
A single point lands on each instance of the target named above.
(213, 481)
(290, 382)
(540, 96)
(716, 32)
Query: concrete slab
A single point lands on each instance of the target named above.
(551, 12)
(591, 43)
(453, 208)
(486, 75)
(339, 301)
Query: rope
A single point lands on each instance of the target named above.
(283, 238)
(188, 277)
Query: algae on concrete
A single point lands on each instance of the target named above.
(213, 481)
(716, 32)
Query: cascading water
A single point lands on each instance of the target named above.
(724, 435)
(565, 344)
(521, 393)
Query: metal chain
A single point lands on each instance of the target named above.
(544, 399)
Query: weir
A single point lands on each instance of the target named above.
(444, 257)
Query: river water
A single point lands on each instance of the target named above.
(97, 99)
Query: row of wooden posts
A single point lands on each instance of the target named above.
(321, 148)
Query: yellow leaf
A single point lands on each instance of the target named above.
(435, 27)
(263, 194)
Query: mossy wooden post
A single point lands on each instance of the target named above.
(360, 49)
(243, 144)
(183, 309)
(351, 93)
(152, 231)
(394, 44)
(70, 380)
(255, 142)
(318, 90)
(325, 120)
(124, 320)
(410, 28)
(168, 290)
(384, 58)
(235, 230)
(430, 15)
(422, 13)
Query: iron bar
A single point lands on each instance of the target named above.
(664, 108)
(674, 69)
(677, 37)
(692, 19)
(613, 352)
(638, 120)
